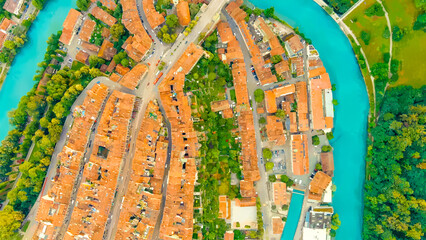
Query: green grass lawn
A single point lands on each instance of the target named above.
(25, 227)
(76, 65)
(357, 21)
(409, 50)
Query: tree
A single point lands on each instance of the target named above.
(326, 148)
(318, 167)
(269, 166)
(9, 44)
(95, 61)
(172, 21)
(272, 178)
(269, 12)
(330, 136)
(83, 5)
(267, 154)
(117, 30)
(38, 4)
(420, 22)
(276, 59)
(125, 62)
(281, 114)
(315, 140)
(10, 221)
(259, 95)
(284, 207)
(375, 10)
(262, 120)
(366, 37)
(397, 34)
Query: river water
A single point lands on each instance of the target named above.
(19, 80)
(350, 122)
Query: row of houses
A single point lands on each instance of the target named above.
(177, 221)
(141, 205)
(55, 204)
(235, 58)
(98, 185)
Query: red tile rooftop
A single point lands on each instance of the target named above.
(132, 78)
(103, 16)
(87, 30)
(154, 18)
(295, 44)
(275, 130)
(318, 185)
(69, 24)
(299, 154)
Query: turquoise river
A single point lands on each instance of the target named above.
(19, 80)
(336, 52)
(350, 123)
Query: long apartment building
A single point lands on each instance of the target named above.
(245, 117)
(96, 191)
(55, 204)
(136, 46)
(177, 221)
(141, 205)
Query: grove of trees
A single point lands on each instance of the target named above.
(395, 189)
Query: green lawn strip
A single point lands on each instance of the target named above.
(357, 21)
(25, 227)
(408, 50)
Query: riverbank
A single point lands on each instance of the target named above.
(350, 124)
(19, 79)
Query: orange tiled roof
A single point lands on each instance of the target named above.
(110, 4)
(277, 225)
(302, 106)
(114, 77)
(219, 105)
(107, 50)
(98, 184)
(225, 32)
(136, 46)
(327, 162)
(293, 122)
(247, 188)
(177, 219)
(297, 62)
(154, 18)
(132, 78)
(229, 235)
(280, 190)
(82, 56)
(317, 103)
(87, 29)
(299, 154)
(227, 113)
(143, 197)
(103, 16)
(183, 14)
(54, 205)
(224, 207)
(276, 48)
(295, 43)
(282, 67)
(275, 130)
(122, 70)
(6, 23)
(318, 186)
(69, 26)
(90, 47)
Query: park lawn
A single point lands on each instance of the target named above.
(357, 21)
(413, 66)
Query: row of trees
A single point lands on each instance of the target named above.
(394, 195)
(39, 118)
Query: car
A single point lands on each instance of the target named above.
(69, 60)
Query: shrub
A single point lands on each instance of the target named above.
(330, 136)
(315, 140)
(326, 148)
(267, 154)
(272, 178)
(269, 166)
(386, 33)
(397, 34)
(259, 95)
(375, 10)
(262, 120)
(318, 167)
(284, 207)
(366, 37)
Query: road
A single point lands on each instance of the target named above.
(51, 171)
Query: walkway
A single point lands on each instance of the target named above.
(344, 15)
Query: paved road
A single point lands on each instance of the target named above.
(51, 171)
